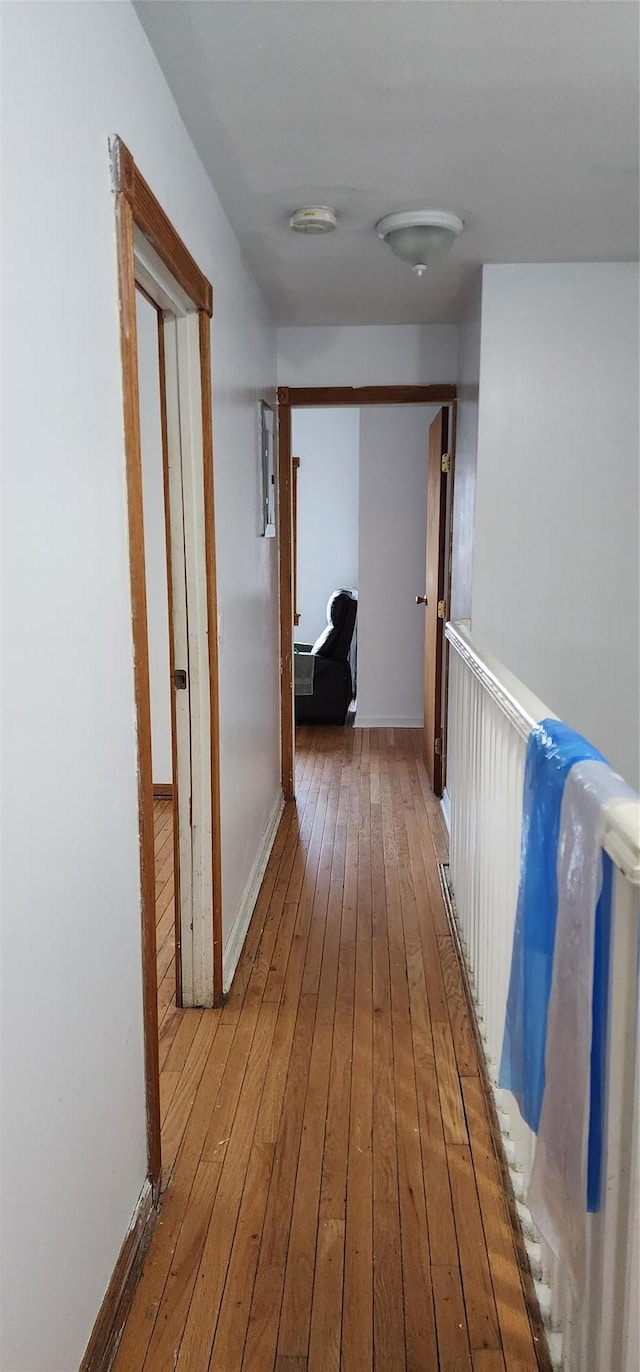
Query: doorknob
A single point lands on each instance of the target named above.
(421, 600)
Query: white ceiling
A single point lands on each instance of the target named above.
(519, 115)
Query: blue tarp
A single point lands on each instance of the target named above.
(552, 751)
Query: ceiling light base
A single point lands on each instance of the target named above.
(420, 237)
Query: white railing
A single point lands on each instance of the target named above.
(490, 718)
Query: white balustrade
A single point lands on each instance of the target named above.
(490, 717)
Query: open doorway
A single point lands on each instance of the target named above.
(161, 639)
(174, 605)
(326, 479)
(398, 684)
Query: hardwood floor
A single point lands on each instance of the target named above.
(333, 1199)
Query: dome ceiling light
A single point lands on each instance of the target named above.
(420, 237)
(313, 219)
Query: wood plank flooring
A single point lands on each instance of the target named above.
(333, 1201)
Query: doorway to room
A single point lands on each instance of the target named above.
(168, 440)
(164, 699)
(353, 468)
(326, 484)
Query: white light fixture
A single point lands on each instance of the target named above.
(313, 219)
(420, 237)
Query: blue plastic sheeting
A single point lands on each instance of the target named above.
(553, 749)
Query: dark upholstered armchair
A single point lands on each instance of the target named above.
(330, 674)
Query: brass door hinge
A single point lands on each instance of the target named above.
(438, 746)
(446, 462)
(442, 609)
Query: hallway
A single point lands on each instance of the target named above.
(333, 1199)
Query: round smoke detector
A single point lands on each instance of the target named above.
(314, 219)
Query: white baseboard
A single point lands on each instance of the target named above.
(235, 941)
(386, 722)
(445, 806)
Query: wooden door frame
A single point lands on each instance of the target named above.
(315, 397)
(436, 593)
(137, 209)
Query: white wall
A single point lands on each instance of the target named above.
(73, 1143)
(464, 488)
(327, 443)
(155, 554)
(392, 557)
(384, 355)
(556, 575)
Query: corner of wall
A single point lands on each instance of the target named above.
(466, 454)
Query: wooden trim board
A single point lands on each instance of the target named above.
(138, 210)
(238, 932)
(133, 464)
(128, 181)
(285, 543)
(119, 1294)
(163, 790)
(435, 572)
(212, 617)
(370, 395)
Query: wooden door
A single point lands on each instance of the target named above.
(194, 616)
(295, 468)
(435, 607)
